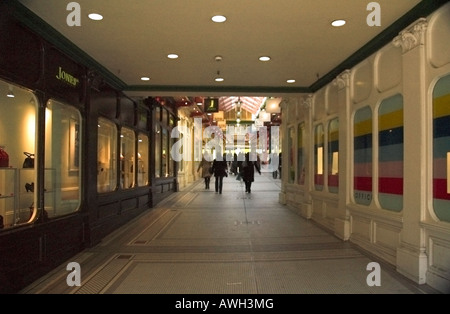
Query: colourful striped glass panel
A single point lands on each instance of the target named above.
(441, 148)
(362, 171)
(333, 156)
(390, 153)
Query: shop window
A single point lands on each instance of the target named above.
(18, 188)
(157, 113)
(291, 166)
(362, 159)
(164, 116)
(143, 157)
(62, 173)
(165, 153)
(142, 119)
(182, 139)
(390, 153)
(441, 149)
(158, 138)
(127, 111)
(127, 158)
(171, 161)
(333, 156)
(106, 156)
(318, 157)
(301, 154)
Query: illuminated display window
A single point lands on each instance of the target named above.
(63, 161)
(127, 158)
(106, 156)
(318, 157)
(18, 184)
(142, 162)
(158, 137)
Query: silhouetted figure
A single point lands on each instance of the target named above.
(220, 168)
(248, 172)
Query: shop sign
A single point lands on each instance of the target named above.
(67, 78)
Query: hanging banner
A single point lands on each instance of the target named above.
(211, 105)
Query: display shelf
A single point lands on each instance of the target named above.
(8, 195)
(17, 194)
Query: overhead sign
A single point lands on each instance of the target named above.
(211, 105)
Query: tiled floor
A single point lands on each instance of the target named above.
(200, 242)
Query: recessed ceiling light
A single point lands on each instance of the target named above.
(290, 81)
(172, 56)
(145, 78)
(264, 58)
(95, 16)
(338, 23)
(219, 79)
(219, 18)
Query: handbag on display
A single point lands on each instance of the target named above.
(29, 160)
(4, 157)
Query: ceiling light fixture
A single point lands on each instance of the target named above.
(218, 18)
(172, 56)
(273, 105)
(264, 58)
(10, 92)
(290, 81)
(218, 78)
(145, 78)
(95, 16)
(338, 23)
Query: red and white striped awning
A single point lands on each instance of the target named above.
(251, 104)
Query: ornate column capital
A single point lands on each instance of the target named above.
(343, 79)
(306, 102)
(412, 37)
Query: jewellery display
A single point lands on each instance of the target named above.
(29, 160)
(29, 186)
(4, 157)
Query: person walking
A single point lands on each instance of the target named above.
(206, 167)
(219, 167)
(248, 172)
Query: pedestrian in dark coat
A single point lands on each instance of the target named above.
(248, 172)
(205, 166)
(220, 168)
